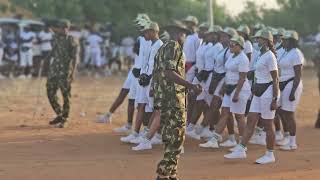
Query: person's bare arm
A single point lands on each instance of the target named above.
(242, 79)
(275, 79)
(296, 81)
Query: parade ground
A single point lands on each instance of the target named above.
(32, 150)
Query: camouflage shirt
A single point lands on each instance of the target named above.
(167, 94)
(63, 56)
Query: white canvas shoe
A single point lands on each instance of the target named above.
(279, 136)
(283, 142)
(123, 129)
(138, 140)
(212, 143)
(192, 134)
(129, 138)
(106, 118)
(156, 139)
(289, 147)
(228, 143)
(236, 148)
(144, 145)
(206, 133)
(266, 159)
(239, 153)
(259, 139)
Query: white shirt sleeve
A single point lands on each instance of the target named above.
(244, 64)
(248, 47)
(298, 58)
(272, 64)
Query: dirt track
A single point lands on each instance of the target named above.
(31, 150)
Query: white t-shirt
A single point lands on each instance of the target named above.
(27, 36)
(145, 47)
(148, 69)
(234, 66)
(94, 41)
(317, 38)
(210, 55)
(265, 63)
(200, 55)
(247, 47)
(280, 53)
(190, 47)
(46, 37)
(220, 60)
(290, 59)
(254, 59)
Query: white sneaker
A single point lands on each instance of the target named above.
(22, 77)
(237, 148)
(144, 132)
(283, 142)
(125, 128)
(259, 139)
(156, 139)
(192, 134)
(228, 143)
(289, 147)
(206, 133)
(279, 136)
(144, 145)
(212, 143)
(190, 127)
(267, 158)
(129, 138)
(137, 140)
(106, 118)
(240, 153)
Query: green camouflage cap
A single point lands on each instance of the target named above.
(178, 25)
(204, 25)
(238, 40)
(191, 19)
(142, 23)
(259, 26)
(151, 26)
(278, 32)
(244, 28)
(214, 29)
(230, 31)
(265, 34)
(291, 35)
(63, 23)
(141, 16)
(165, 36)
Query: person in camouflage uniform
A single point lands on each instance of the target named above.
(61, 71)
(317, 65)
(169, 97)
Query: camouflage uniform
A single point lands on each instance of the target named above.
(170, 99)
(61, 73)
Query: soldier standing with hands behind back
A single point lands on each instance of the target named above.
(169, 97)
(61, 71)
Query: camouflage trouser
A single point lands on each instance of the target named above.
(173, 123)
(53, 85)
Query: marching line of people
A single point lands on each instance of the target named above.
(227, 76)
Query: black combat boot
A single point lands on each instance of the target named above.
(56, 120)
(159, 178)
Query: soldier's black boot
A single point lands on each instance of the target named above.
(175, 178)
(56, 120)
(159, 178)
(62, 123)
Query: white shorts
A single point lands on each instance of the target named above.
(218, 88)
(133, 88)
(142, 97)
(262, 104)
(236, 107)
(285, 103)
(26, 58)
(95, 56)
(205, 90)
(191, 73)
(86, 55)
(127, 83)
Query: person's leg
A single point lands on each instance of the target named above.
(230, 126)
(196, 113)
(52, 89)
(66, 94)
(252, 120)
(119, 100)
(317, 125)
(191, 99)
(270, 138)
(214, 111)
(241, 123)
(291, 123)
(130, 110)
(173, 123)
(139, 118)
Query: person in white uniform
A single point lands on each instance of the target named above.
(145, 102)
(26, 55)
(130, 82)
(290, 68)
(45, 38)
(264, 102)
(95, 41)
(236, 91)
(244, 31)
(212, 48)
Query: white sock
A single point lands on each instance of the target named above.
(232, 137)
(269, 152)
(292, 140)
(286, 134)
(278, 133)
(190, 127)
(240, 138)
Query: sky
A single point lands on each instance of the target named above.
(234, 7)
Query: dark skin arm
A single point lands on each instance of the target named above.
(242, 79)
(249, 56)
(274, 75)
(296, 81)
(177, 79)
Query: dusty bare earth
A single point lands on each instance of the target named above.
(31, 150)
